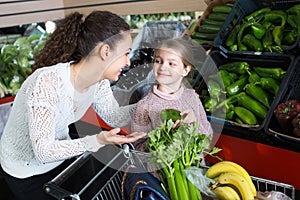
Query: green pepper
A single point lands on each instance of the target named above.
(277, 73)
(267, 40)
(254, 44)
(256, 13)
(270, 84)
(276, 48)
(253, 105)
(237, 86)
(258, 30)
(276, 17)
(226, 77)
(238, 120)
(238, 67)
(240, 34)
(298, 22)
(268, 25)
(277, 34)
(245, 115)
(233, 76)
(290, 37)
(231, 40)
(229, 101)
(292, 21)
(229, 115)
(294, 9)
(258, 93)
(254, 78)
(233, 47)
(213, 88)
(210, 105)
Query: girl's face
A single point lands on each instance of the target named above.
(120, 58)
(169, 69)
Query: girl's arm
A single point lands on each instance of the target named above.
(204, 124)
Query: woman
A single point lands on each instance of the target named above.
(70, 74)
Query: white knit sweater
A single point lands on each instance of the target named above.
(36, 136)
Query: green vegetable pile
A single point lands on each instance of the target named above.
(249, 92)
(266, 30)
(15, 61)
(176, 149)
(206, 32)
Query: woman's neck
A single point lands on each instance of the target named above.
(80, 77)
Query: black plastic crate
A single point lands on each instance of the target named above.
(217, 58)
(291, 91)
(244, 7)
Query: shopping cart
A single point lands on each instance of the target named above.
(106, 183)
(110, 175)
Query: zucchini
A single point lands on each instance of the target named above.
(221, 9)
(207, 36)
(218, 16)
(203, 41)
(212, 22)
(209, 29)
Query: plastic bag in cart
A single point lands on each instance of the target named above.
(139, 184)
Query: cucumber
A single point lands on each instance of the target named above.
(207, 36)
(221, 9)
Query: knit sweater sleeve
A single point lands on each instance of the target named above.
(48, 143)
(141, 120)
(107, 107)
(204, 124)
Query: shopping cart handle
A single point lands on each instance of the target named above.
(55, 191)
(73, 167)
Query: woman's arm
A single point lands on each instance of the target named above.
(48, 144)
(107, 107)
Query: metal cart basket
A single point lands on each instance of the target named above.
(111, 176)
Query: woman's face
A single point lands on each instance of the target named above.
(120, 58)
(168, 68)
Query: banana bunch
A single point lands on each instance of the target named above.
(232, 181)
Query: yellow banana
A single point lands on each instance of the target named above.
(226, 193)
(237, 181)
(244, 173)
(219, 168)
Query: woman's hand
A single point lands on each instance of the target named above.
(112, 137)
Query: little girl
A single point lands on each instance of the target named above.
(173, 60)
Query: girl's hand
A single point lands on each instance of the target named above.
(112, 137)
(188, 116)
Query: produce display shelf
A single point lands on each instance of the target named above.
(244, 7)
(218, 58)
(290, 91)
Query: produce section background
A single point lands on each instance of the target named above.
(263, 155)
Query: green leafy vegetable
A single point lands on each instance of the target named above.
(176, 149)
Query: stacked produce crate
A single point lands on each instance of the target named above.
(262, 37)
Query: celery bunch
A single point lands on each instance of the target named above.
(173, 151)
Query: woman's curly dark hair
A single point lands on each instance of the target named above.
(76, 36)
